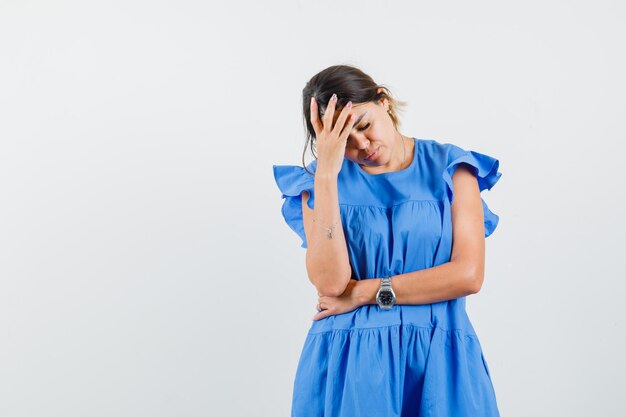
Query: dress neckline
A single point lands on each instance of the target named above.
(385, 174)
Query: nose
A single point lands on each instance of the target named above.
(360, 141)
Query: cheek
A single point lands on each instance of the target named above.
(351, 154)
(378, 129)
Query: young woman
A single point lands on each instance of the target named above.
(395, 230)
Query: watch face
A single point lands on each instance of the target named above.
(385, 297)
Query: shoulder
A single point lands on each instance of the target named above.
(294, 182)
(442, 155)
(440, 151)
(435, 156)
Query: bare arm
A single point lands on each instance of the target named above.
(327, 261)
(426, 286)
(464, 273)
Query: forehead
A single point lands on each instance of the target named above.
(357, 110)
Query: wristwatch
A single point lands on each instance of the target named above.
(385, 296)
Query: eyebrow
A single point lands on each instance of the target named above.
(357, 121)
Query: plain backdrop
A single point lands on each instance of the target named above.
(145, 267)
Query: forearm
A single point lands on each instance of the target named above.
(327, 259)
(443, 282)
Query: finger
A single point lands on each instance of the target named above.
(343, 136)
(321, 315)
(329, 113)
(340, 118)
(340, 125)
(315, 119)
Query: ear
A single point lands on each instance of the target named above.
(383, 101)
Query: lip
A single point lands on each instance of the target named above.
(372, 155)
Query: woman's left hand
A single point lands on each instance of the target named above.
(347, 301)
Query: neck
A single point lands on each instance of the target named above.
(402, 151)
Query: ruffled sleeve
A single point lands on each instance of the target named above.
(485, 169)
(292, 180)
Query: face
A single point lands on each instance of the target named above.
(372, 133)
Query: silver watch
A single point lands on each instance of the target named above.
(385, 296)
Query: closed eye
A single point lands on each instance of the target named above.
(360, 129)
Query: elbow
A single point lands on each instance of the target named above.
(473, 275)
(475, 285)
(476, 281)
(331, 278)
(331, 284)
(330, 291)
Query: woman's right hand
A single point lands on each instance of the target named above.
(331, 140)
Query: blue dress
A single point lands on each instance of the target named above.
(413, 360)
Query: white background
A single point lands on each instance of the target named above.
(145, 268)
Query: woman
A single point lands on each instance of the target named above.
(378, 212)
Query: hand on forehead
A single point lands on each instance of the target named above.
(357, 109)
